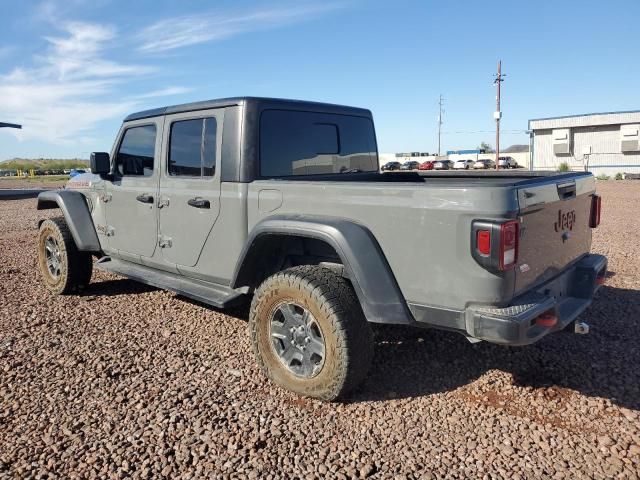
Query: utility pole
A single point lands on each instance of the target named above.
(440, 104)
(498, 113)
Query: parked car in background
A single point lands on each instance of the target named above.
(389, 166)
(507, 162)
(410, 165)
(443, 165)
(463, 164)
(75, 172)
(484, 163)
(428, 165)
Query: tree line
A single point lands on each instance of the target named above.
(43, 164)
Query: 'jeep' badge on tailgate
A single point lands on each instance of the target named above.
(565, 220)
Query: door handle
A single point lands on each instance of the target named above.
(144, 198)
(199, 203)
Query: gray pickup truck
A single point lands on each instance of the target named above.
(282, 201)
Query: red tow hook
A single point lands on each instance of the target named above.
(601, 280)
(547, 319)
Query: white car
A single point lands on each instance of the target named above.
(463, 164)
(507, 162)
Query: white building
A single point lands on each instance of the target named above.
(603, 143)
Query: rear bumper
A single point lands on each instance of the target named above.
(564, 297)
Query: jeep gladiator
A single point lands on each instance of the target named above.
(282, 201)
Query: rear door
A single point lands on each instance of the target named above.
(131, 196)
(189, 202)
(554, 227)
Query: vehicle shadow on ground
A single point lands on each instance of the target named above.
(120, 286)
(125, 286)
(412, 362)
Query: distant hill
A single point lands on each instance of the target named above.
(43, 164)
(516, 149)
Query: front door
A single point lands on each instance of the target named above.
(132, 224)
(189, 184)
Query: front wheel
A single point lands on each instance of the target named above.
(63, 267)
(309, 333)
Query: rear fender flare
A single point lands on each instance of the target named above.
(365, 264)
(77, 215)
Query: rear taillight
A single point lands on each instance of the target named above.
(508, 245)
(596, 208)
(495, 244)
(483, 242)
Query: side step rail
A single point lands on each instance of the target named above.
(218, 296)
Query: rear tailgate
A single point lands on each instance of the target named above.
(554, 227)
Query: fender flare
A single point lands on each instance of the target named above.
(77, 215)
(365, 265)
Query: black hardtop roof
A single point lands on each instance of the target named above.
(259, 102)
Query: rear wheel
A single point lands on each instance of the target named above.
(64, 269)
(309, 333)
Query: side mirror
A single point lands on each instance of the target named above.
(100, 163)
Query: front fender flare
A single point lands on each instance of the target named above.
(76, 214)
(365, 265)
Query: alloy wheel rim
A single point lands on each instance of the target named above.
(297, 340)
(52, 257)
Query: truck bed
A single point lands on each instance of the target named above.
(425, 233)
(479, 178)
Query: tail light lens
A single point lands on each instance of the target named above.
(495, 244)
(508, 244)
(483, 242)
(596, 208)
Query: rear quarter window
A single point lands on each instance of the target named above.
(310, 143)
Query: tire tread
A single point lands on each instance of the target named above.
(335, 296)
(79, 264)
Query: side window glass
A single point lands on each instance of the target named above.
(185, 152)
(310, 143)
(325, 138)
(137, 151)
(192, 148)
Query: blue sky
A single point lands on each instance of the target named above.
(71, 70)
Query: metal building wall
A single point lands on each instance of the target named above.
(605, 157)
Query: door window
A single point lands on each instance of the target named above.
(192, 148)
(137, 150)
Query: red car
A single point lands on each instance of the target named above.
(428, 165)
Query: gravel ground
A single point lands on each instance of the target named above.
(130, 381)
(36, 182)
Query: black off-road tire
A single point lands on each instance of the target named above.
(331, 299)
(75, 267)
